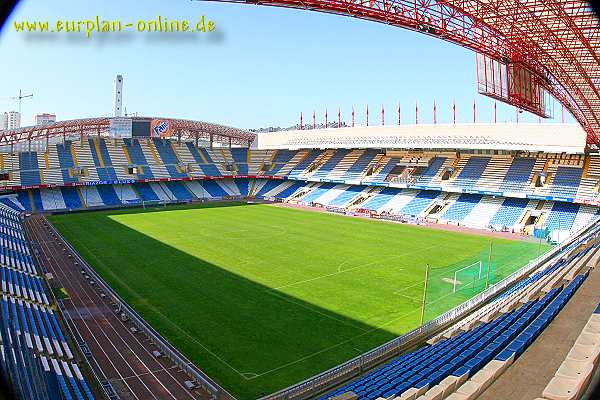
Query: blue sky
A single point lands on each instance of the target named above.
(263, 67)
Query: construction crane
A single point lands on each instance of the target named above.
(20, 97)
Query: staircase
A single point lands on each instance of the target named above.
(363, 197)
(345, 164)
(297, 159)
(494, 173)
(317, 163)
(52, 174)
(448, 163)
(483, 212)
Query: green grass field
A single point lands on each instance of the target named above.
(261, 297)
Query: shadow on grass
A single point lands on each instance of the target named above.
(249, 338)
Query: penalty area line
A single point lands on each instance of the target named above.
(341, 271)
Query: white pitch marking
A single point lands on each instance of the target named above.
(349, 269)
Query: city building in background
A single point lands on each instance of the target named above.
(11, 120)
(45, 119)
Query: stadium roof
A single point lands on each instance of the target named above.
(533, 137)
(559, 40)
(90, 126)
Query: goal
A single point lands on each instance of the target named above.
(467, 274)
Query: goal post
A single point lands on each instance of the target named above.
(468, 272)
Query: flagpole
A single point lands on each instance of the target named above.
(399, 121)
(487, 276)
(495, 111)
(424, 294)
(454, 111)
(417, 112)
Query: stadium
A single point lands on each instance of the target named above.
(153, 257)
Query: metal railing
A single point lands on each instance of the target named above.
(166, 348)
(356, 366)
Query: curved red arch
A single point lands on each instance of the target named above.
(557, 39)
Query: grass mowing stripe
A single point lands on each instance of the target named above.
(261, 297)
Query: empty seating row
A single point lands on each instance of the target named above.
(105, 160)
(446, 365)
(461, 207)
(534, 323)
(22, 285)
(574, 374)
(35, 358)
(493, 339)
(469, 209)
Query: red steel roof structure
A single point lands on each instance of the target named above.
(558, 40)
(180, 128)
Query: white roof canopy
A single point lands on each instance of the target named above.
(550, 138)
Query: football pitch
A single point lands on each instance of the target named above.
(261, 297)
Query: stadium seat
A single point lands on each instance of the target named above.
(29, 330)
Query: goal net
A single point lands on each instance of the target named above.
(459, 277)
(467, 276)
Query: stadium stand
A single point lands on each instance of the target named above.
(565, 182)
(381, 170)
(317, 192)
(179, 191)
(576, 371)
(279, 160)
(71, 198)
(481, 214)
(419, 203)
(108, 195)
(499, 192)
(343, 198)
(65, 158)
(29, 168)
(35, 356)
(461, 207)
(136, 154)
(214, 190)
(469, 171)
(432, 170)
(410, 175)
(518, 174)
(509, 213)
(562, 216)
(462, 361)
(169, 157)
(380, 199)
(145, 192)
(356, 170)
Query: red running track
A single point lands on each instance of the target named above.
(125, 357)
